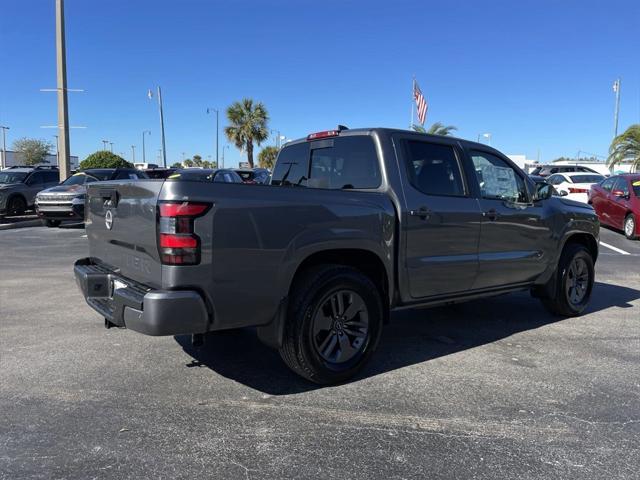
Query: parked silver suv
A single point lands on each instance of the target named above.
(66, 201)
(19, 186)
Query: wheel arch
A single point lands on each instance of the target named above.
(585, 239)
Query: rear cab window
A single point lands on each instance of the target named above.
(338, 163)
(434, 169)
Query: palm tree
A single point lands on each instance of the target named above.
(248, 124)
(436, 129)
(626, 148)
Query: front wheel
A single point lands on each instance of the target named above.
(333, 324)
(17, 206)
(630, 227)
(574, 282)
(52, 223)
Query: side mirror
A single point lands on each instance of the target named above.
(543, 191)
(618, 193)
(563, 193)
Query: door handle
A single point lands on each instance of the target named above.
(491, 214)
(422, 212)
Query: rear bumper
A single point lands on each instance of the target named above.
(138, 307)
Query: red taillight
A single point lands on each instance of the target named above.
(177, 241)
(577, 190)
(324, 134)
(182, 209)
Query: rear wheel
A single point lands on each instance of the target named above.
(573, 282)
(16, 206)
(333, 324)
(630, 227)
(52, 223)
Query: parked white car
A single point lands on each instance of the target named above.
(574, 185)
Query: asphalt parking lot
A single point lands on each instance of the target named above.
(495, 388)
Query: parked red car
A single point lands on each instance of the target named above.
(616, 200)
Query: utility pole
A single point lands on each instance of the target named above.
(57, 151)
(64, 163)
(164, 149)
(217, 130)
(133, 154)
(616, 89)
(144, 154)
(3, 162)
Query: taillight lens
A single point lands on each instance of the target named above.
(177, 242)
(577, 190)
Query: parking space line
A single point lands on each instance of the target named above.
(615, 249)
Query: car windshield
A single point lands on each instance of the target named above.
(79, 179)
(587, 178)
(12, 177)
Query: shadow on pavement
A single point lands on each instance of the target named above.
(413, 336)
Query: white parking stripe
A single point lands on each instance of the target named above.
(615, 249)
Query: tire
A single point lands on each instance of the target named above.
(16, 206)
(333, 324)
(573, 282)
(52, 223)
(630, 226)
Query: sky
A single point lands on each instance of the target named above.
(537, 75)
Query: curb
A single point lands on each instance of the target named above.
(22, 224)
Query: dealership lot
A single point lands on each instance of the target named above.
(495, 388)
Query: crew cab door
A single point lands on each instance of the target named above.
(441, 220)
(515, 239)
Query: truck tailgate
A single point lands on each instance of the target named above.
(121, 227)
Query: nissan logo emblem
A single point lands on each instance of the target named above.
(108, 220)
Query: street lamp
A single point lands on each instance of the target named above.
(57, 150)
(209, 110)
(3, 161)
(164, 148)
(485, 135)
(111, 145)
(133, 154)
(104, 144)
(223, 149)
(144, 155)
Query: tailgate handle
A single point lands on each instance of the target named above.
(109, 195)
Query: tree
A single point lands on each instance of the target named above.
(248, 124)
(188, 163)
(267, 157)
(32, 151)
(436, 129)
(104, 159)
(626, 148)
(176, 165)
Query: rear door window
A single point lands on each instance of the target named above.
(344, 163)
(434, 169)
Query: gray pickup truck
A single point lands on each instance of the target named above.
(354, 224)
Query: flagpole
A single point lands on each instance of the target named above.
(617, 110)
(413, 89)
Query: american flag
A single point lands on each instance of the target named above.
(420, 102)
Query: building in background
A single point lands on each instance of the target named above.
(13, 158)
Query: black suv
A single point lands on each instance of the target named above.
(19, 186)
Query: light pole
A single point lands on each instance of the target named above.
(164, 148)
(616, 89)
(57, 151)
(104, 144)
(209, 111)
(485, 135)
(144, 155)
(3, 162)
(133, 154)
(111, 145)
(63, 110)
(223, 149)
